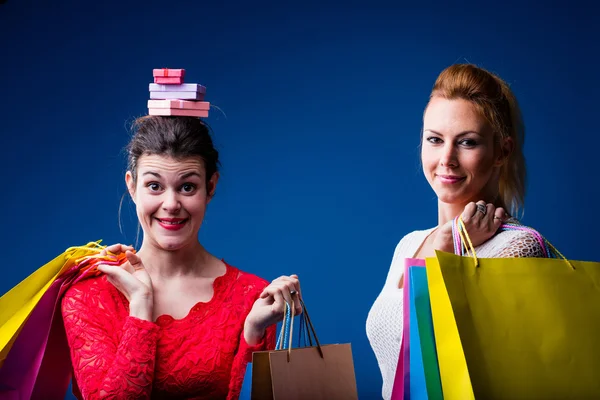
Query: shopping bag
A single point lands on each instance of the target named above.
(22, 363)
(404, 372)
(411, 378)
(18, 303)
(516, 328)
(37, 364)
(421, 317)
(398, 391)
(316, 372)
(246, 392)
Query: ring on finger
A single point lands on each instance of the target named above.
(481, 208)
(293, 292)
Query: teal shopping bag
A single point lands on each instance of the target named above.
(422, 336)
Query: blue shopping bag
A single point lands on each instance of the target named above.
(247, 384)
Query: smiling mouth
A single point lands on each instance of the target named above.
(449, 178)
(172, 221)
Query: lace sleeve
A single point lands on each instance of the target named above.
(521, 244)
(244, 356)
(111, 359)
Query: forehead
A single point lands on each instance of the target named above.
(453, 116)
(165, 165)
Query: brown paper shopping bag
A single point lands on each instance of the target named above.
(313, 372)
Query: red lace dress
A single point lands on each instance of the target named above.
(201, 356)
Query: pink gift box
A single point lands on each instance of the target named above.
(167, 72)
(179, 104)
(177, 96)
(185, 87)
(178, 112)
(168, 81)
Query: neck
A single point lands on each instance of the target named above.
(161, 264)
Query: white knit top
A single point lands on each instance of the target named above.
(384, 322)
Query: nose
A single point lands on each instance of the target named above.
(171, 202)
(449, 158)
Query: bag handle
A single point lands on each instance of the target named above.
(463, 244)
(287, 329)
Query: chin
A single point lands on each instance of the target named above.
(447, 197)
(171, 244)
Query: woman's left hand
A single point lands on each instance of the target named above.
(268, 309)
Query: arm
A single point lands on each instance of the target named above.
(244, 356)
(110, 359)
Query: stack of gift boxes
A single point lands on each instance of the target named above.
(170, 96)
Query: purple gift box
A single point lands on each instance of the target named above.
(184, 87)
(177, 96)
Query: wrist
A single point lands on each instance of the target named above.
(444, 241)
(253, 332)
(141, 308)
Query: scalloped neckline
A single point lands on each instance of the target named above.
(218, 294)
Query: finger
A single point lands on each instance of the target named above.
(127, 267)
(293, 279)
(285, 292)
(499, 216)
(279, 303)
(118, 248)
(134, 260)
(489, 214)
(113, 249)
(469, 211)
(480, 209)
(274, 288)
(282, 278)
(297, 304)
(122, 277)
(297, 284)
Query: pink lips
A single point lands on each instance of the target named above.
(172, 224)
(450, 179)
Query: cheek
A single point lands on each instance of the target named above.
(479, 163)
(428, 159)
(147, 204)
(195, 204)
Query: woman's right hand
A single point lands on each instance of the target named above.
(481, 220)
(131, 279)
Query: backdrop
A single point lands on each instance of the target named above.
(319, 134)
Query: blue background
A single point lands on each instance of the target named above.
(319, 136)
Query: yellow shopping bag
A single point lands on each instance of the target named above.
(516, 328)
(18, 303)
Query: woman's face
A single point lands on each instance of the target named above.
(171, 198)
(459, 156)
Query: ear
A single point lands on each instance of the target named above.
(129, 181)
(507, 146)
(212, 185)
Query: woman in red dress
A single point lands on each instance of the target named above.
(173, 321)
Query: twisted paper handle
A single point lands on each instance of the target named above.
(88, 265)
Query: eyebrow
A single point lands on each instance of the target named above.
(184, 176)
(460, 134)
